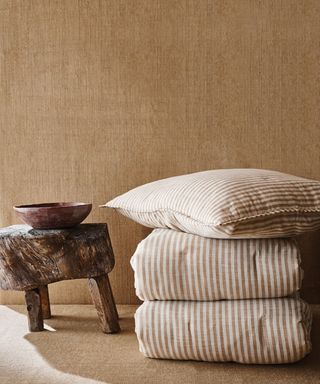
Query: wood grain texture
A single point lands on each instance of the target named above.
(35, 318)
(103, 300)
(98, 97)
(30, 258)
(45, 302)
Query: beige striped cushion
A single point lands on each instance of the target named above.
(171, 265)
(226, 203)
(264, 331)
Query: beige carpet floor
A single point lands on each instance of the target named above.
(73, 350)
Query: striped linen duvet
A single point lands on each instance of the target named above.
(172, 265)
(219, 275)
(264, 331)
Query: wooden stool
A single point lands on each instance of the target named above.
(30, 259)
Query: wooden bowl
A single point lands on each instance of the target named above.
(53, 215)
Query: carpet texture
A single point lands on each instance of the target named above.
(73, 350)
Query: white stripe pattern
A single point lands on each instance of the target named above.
(264, 331)
(172, 265)
(226, 203)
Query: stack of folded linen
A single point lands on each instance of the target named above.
(220, 274)
(206, 281)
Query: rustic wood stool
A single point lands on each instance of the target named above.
(30, 259)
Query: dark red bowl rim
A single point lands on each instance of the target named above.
(52, 205)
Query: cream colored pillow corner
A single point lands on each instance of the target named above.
(226, 203)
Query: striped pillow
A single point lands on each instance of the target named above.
(171, 265)
(226, 203)
(264, 331)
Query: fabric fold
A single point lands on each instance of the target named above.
(264, 331)
(173, 265)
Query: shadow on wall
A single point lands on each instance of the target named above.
(79, 349)
(310, 260)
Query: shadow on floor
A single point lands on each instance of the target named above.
(78, 347)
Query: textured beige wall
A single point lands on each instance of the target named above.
(97, 97)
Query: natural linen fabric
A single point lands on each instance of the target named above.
(171, 265)
(264, 331)
(226, 203)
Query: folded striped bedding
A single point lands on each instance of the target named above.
(172, 265)
(264, 331)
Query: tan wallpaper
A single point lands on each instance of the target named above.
(97, 97)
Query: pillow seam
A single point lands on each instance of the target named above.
(215, 223)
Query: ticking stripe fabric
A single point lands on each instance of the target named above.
(226, 203)
(264, 331)
(172, 265)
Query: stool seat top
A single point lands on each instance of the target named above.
(27, 231)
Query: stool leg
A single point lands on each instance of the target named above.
(33, 301)
(45, 302)
(113, 303)
(102, 297)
